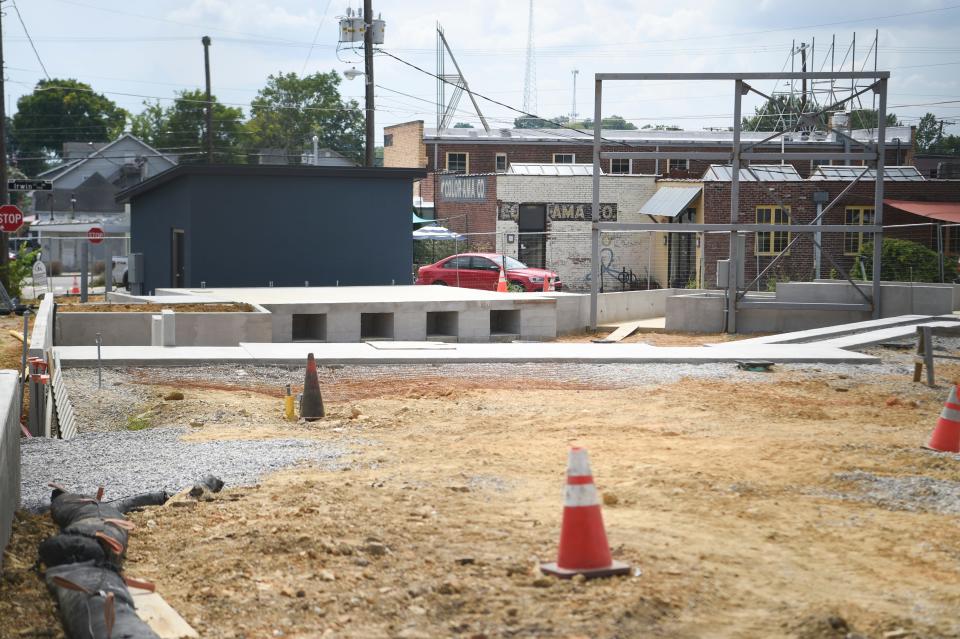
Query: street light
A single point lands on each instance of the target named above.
(352, 73)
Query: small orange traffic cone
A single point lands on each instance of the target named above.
(502, 282)
(583, 541)
(547, 286)
(946, 435)
(75, 289)
(311, 404)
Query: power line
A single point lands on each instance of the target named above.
(32, 46)
(315, 36)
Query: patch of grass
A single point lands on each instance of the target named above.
(139, 422)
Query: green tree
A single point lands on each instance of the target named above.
(59, 111)
(531, 122)
(661, 127)
(905, 261)
(463, 125)
(949, 144)
(290, 110)
(780, 114)
(614, 122)
(181, 128)
(928, 132)
(868, 118)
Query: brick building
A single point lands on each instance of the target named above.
(794, 201)
(474, 151)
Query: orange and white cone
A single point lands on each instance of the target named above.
(311, 404)
(946, 435)
(75, 289)
(502, 282)
(546, 284)
(583, 541)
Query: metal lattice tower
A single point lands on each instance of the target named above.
(530, 77)
(573, 108)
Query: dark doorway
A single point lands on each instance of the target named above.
(533, 237)
(178, 277)
(682, 255)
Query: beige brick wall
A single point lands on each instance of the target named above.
(406, 148)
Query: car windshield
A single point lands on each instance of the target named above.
(509, 262)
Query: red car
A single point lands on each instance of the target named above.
(482, 270)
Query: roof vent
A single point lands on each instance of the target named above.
(505, 133)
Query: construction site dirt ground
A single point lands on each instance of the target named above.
(783, 504)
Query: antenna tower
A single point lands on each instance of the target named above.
(530, 78)
(573, 108)
(446, 110)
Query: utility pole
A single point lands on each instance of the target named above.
(209, 115)
(803, 85)
(4, 196)
(368, 76)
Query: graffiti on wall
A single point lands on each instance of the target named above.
(560, 211)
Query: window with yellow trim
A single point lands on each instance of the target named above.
(856, 216)
(772, 242)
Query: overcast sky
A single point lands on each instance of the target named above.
(134, 50)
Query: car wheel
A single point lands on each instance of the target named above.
(521, 285)
(439, 283)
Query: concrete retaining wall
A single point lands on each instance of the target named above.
(9, 455)
(41, 339)
(704, 313)
(573, 310)
(133, 329)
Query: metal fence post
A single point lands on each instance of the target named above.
(595, 209)
(878, 195)
(84, 270)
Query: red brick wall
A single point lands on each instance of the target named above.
(469, 217)
(799, 197)
(483, 156)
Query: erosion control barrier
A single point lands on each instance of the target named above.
(84, 561)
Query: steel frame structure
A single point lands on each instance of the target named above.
(870, 153)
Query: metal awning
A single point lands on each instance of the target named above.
(670, 201)
(943, 211)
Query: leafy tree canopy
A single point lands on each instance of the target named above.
(463, 125)
(290, 110)
(59, 111)
(180, 128)
(779, 114)
(661, 127)
(614, 122)
(531, 122)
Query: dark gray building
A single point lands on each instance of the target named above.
(248, 225)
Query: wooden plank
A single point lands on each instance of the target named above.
(625, 330)
(160, 616)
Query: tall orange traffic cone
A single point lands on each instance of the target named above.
(311, 404)
(502, 282)
(547, 287)
(75, 289)
(583, 541)
(946, 435)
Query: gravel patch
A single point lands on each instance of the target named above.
(126, 463)
(913, 493)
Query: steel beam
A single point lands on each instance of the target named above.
(677, 227)
(813, 75)
(727, 155)
(733, 275)
(595, 214)
(878, 197)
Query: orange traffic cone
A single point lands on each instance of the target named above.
(946, 435)
(583, 541)
(75, 289)
(502, 282)
(547, 286)
(311, 404)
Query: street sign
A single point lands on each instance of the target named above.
(95, 235)
(11, 218)
(29, 185)
(39, 276)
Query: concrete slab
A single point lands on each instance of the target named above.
(345, 354)
(827, 332)
(354, 294)
(411, 346)
(860, 340)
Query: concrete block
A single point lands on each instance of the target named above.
(410, 326)
(696, 313)
(168, 321)
(473, 325)
(156, 330)
(538, 322)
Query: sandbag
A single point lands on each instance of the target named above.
(66, 508)
(210, 483)
(95, 603)
(136, 502)
(111, 533)
(72, 549)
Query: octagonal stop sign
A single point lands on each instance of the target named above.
(11, 218)
(95, 235)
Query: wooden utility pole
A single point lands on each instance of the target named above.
(4, 195)
(368, 75)
(209, 105)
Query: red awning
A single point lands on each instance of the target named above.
(945, 211)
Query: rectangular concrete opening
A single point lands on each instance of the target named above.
(376, 325)
(309, 327)
(441, 324)
(505, 322)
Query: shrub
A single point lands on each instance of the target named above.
(17, 270)
(56, 267)
(99, 267)
(903, 260)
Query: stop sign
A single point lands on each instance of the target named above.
(11, 218)
(95, 235)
